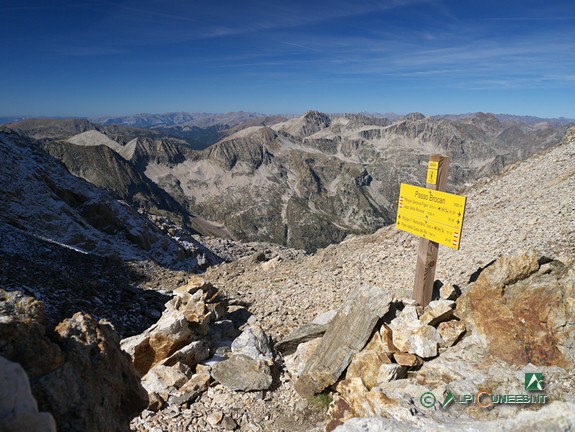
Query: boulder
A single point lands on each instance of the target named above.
(450, 332)
(406, 359)
(520, 320)
(522, 315)
(23, 335)
(254, 343)
(366, 364)
(186, 318)
(387, 339)
(190, 355)
(412, 336)
(223, 329)
(437, 311)
(241, 372)
(96, 388)
(165, 379)
(295, 363)
(289, 344)
(78, 372)
(346, 335)
(18, 408)
(448, 292)
(188, 392)
(158, 342)
(324, 318)
(389, 372)
(557, 416)
(355, 400)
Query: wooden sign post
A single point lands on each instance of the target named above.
(427, 251)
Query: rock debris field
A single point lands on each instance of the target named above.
(530, 206)
(282, 341)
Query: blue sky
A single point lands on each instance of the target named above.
(87, 58)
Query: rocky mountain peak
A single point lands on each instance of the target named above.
(414, 116)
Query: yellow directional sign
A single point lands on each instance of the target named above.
(434, 215)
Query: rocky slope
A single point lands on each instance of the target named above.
(530, 205)
(457, 345)
(312, 180)
(194, 351)
(306, 182)
(76, 247)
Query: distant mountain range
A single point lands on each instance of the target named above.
(304, 182)
(206, 120)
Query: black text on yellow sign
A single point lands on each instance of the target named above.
(432, 168)
(436, 216)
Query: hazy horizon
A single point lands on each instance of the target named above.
(3, 118)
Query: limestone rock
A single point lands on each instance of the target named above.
(23, 335)
(164, 379)
(95, 370)
(389, 372)
(186, 318)
(366, 363)
(254, 343)
(450, 332)
(195, 284)
(325, 317)
(358, 401)
(160, 341)
(18, 408)
(79, 374)
(448, 292)
(346, 335)
(373, 424)
(215, 417)
(241, 372)
(289, 344)
(413, 336)
(522, 315)
(437, 311)
(223, 329)
(295, 363)
(190, 355)
(553, 417)
(387, 339)
(191, 389)
(406, 359)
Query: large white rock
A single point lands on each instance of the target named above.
(254, 343)
(164, 379)
(18, 408)
(414, 337)
(437, 311)
(241, 372)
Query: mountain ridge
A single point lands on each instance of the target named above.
(309, 181)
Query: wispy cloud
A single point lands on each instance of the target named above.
(301, 46)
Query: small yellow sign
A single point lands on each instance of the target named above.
(434, 215)
(432, 167)
(431, 176)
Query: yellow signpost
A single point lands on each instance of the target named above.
(434, 215)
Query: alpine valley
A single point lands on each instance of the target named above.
(303, 182)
